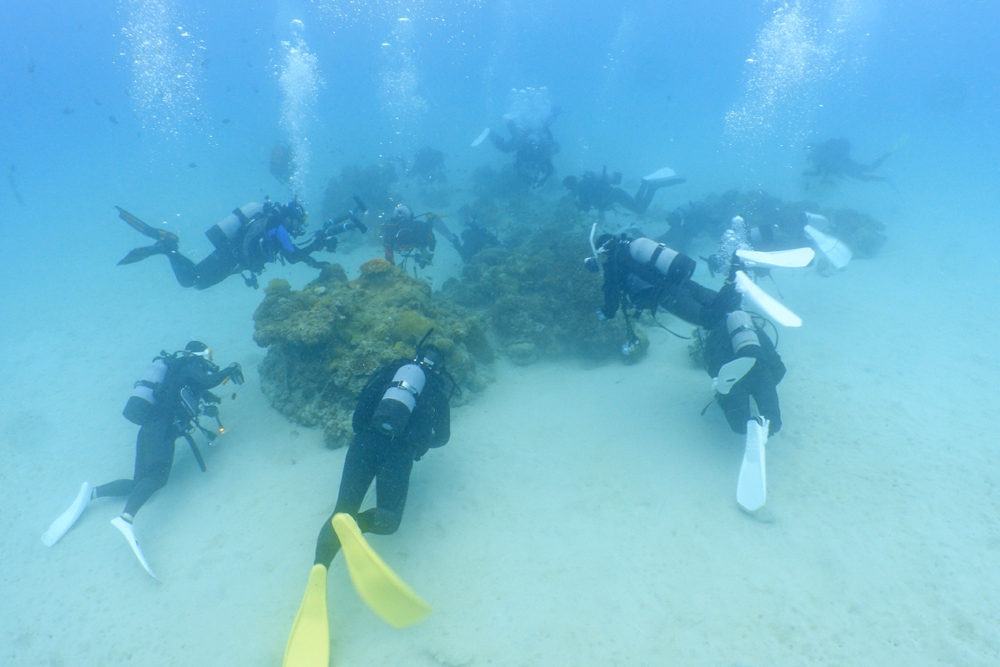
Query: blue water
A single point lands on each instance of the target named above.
(894, 370)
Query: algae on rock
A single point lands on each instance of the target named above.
(327, 339)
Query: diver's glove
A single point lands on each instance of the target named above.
(235, 372)
(209, 397)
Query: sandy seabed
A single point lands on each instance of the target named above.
(578, 516)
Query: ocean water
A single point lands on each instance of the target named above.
(579, 515)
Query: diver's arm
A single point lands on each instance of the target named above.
(612, 292)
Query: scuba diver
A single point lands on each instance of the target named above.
(410, 236)
(245, 241)
(533, 148)
(738, 354)
(647, 275)
(740, 336)
(474, 238)
(832, 158)
(601, 192)
(401, 413)
(166, 404)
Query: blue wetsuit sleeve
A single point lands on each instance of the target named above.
(286, 241)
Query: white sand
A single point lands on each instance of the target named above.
(579, 516)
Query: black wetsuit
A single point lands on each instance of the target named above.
(408, 235)
(598, 191)
(646, 288)
(833, 158)
(154, 446)
(761, 382)
(262, 240)
(388, 461)
(533, 151)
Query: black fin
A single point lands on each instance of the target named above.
(144, 229)
(139, 254)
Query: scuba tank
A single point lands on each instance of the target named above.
(394, 410)
(671, 264)
(226, 230)
(143, 398)
(742, 331)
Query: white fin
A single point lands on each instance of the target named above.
(481, 138)
(126, 529)
(835, 251)
(732, 373)
(665, 176)
(751, 488)
(67, 518)
(785, 259)
(766, 302)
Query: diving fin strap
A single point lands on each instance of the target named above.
(144, 229)
(309, 642)
(374, 581)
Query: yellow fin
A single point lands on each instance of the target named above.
(309, 643)
(377, 585)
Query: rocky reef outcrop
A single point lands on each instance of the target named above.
(325, 340)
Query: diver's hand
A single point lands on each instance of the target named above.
(209, 397)
(235, 372)
(601, 317)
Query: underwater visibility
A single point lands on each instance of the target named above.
(513, 333)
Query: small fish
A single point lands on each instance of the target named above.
(228, 89)
(31, 67)
(192, 164)
(205, 62)
(254, 88)
(225, 121)
(68, 110)
(113, 119)
(97, 102)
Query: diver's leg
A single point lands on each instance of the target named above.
(736, 406)
(184, 268)
(359, 471)
(622, 198)
(213, 269)
(154, 457)
(391, 487)
(765, 395)
(115, 489)
(644, 197)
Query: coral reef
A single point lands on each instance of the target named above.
(862, 233)
(325, 340)
(534, 293)
(711, 218)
